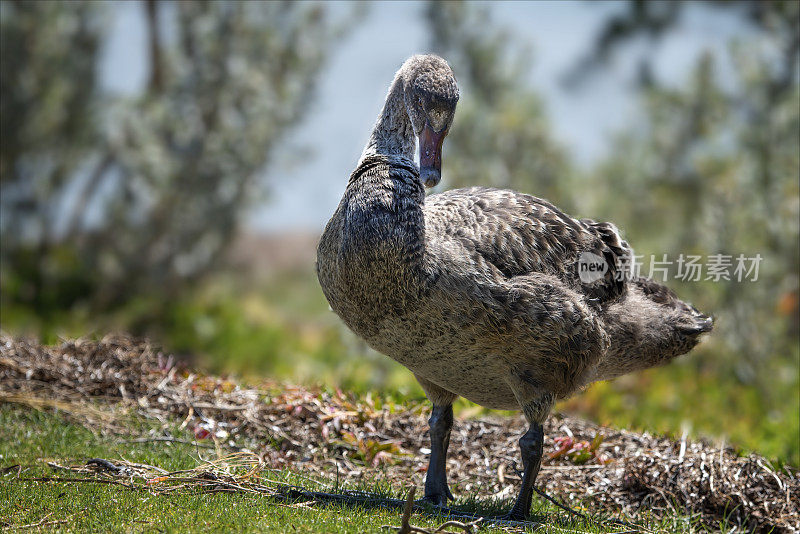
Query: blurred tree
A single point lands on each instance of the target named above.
(713, 169)
(501, 136)
(48, 53)
(166, 174)
(654, 20)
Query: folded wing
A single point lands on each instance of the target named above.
(507, 234)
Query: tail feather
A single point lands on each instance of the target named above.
(649, 327)
(702, 325)
(692, 323)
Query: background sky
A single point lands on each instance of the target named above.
(354, 85)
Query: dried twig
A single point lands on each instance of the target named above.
(90, 480)
(407, 528)
(165, 439)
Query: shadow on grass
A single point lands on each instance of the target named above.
(474, 509)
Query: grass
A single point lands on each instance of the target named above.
(32, 437)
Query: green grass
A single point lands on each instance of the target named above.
(32, 437)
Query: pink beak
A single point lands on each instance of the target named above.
(430, 155)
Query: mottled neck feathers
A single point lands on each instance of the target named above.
(393, 134)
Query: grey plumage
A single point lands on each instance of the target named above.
(477, 291)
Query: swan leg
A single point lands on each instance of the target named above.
(530, 444)
(440, 423)
(536, 407)
(436, 489)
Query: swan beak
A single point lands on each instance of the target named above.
(430, 155)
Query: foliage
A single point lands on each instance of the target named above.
(655, 20)
(578, 451)
(48, 95)
(48, 85)
(143, 193)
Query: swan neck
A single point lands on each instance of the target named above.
(393, 134)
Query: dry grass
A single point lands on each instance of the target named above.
(593, 468)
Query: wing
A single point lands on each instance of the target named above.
(507, 234)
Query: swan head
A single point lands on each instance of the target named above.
(431, 94)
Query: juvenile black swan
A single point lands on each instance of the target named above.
(477, 291)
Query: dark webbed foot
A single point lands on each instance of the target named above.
(436, 489)
(437, 493)
(438, 499)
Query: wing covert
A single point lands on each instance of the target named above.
(508, 234)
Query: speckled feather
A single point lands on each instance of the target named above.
(519, 234)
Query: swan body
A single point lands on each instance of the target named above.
(477, 291)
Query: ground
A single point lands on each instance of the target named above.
(175, 450)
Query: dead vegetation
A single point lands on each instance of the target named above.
(339, 437)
